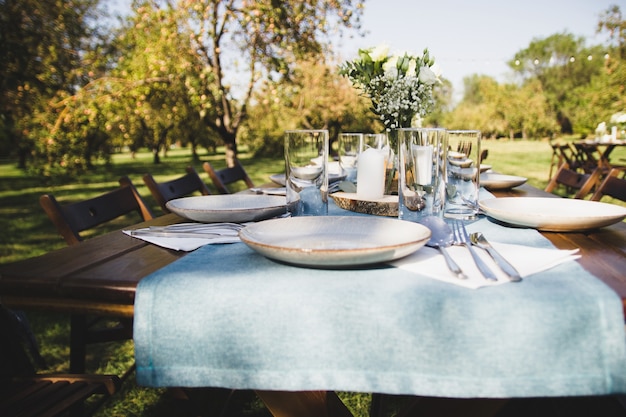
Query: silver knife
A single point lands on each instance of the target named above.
(479, 240)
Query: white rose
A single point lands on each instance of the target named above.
(427, 76)
(391, 67)
(411, 71)
(379, 53)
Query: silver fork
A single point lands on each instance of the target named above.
(462, 238)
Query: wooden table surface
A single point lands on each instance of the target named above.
(100, 276)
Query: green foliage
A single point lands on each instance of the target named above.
(201, 74)
(565, 68)
(316, 97)
(69, 98)
(42, 43)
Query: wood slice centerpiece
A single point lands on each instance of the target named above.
(386, 206)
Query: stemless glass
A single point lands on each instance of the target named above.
(350, 145)
(421, 164)
(375, 140)
(463, 169)
(306, 172)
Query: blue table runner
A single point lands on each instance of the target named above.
(226, 316)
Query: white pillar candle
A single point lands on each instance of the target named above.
(370, 182)
(614, 132)
(423, 164)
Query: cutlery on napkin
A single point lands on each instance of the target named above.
(526, 260)
(188, 236)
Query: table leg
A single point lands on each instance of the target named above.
(78, 341)
(304, 404)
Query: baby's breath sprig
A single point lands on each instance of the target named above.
(399, 86)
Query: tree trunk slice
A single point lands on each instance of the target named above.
(386, 206)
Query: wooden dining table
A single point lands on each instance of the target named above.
(100, 276)
(599, 153)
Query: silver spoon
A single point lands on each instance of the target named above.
(479, 240)
(442, 237)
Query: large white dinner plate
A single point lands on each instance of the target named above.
(228, 207)
(492, 181)
(553, 214)
(335, 241)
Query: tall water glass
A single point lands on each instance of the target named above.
(375, 140)
(463, 169)
(350, 145)
(421, 164)
(306, 171)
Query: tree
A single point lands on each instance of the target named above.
(478, 108)
(613, 22)
(442, 94)
(250, 41)
(561, 63)
(316, 97)
(153, 76)
(614, 87)
(42, 44)
(503, 109)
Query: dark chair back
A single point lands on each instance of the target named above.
(73, 218)
(583, 184)
(222, 178)
(613, 186)
(176, 188)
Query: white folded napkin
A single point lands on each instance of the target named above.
(188, 244)
(527, 260)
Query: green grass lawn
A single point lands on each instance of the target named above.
(27, 232)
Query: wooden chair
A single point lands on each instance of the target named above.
(568, 154)
(557, 158)
(583, 183)
(70, 220)
(176, 188)
(222, 178)
(591, 158)
(612, 185)
(483, 155)
(73, 218)
(25, 393)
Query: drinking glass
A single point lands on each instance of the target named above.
(375, 140)
(350, 145)
(463, 174)
(306, 172)
(421, 163)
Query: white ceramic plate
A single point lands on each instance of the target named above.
(280, 178)
(228, 207)
(493, 181)
(553, 214)
(335, 241)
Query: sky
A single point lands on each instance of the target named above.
(475, 36)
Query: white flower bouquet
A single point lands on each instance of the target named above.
(400, 86)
